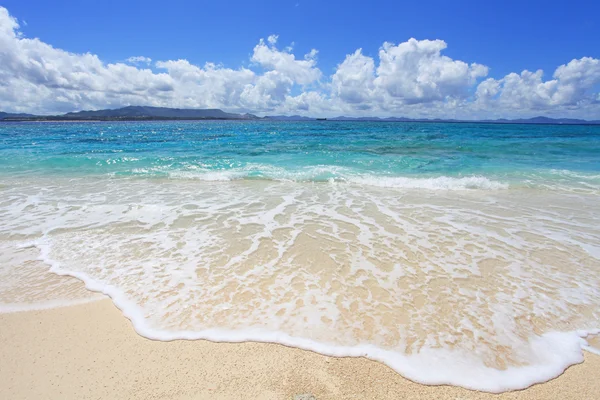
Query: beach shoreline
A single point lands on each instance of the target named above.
(418, 247)
(91, 351)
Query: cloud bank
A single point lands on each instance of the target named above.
(412, 78)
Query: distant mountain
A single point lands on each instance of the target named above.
(288, 118)
(137, 113)
(141, 112)
(544, 120)
(343, 118)
(4, 115)
(535, 120)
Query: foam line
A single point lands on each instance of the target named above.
(592, 349)
(552, 352)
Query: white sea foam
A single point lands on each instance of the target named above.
(438, 183)
(478, 288)
(575, 174)
(328, 173)
(565, 180)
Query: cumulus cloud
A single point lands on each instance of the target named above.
(410, 73)
(269, 57)
(571, 88)
(37, 77)
(416, 72)
(413, 78)
(353, 81)
(210, 86)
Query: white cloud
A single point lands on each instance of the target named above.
(37, 77)
(571, 88)
(353, 81)
(301, 71)
(409, 76)
(413, 78)
(210, 86)
(416, 72)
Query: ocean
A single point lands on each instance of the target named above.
(464, 254)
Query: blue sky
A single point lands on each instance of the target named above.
(506, 37)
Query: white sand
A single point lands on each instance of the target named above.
(90, 351)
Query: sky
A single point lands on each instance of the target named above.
(433, 59)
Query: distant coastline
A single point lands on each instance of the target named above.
(57, 118)
(140, 113)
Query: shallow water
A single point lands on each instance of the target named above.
(455, 253)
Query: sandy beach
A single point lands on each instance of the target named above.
(91, 351)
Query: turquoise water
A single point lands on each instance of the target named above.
(304, 151)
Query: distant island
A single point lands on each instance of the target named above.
(534, 120)
(143, 113)
(133, 113)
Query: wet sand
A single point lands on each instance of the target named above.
(91, 351)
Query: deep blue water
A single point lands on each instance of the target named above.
(303, 151)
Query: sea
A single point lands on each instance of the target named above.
(455, 253)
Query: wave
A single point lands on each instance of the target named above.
(329, 174)
(575, 174)
(439, 183)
